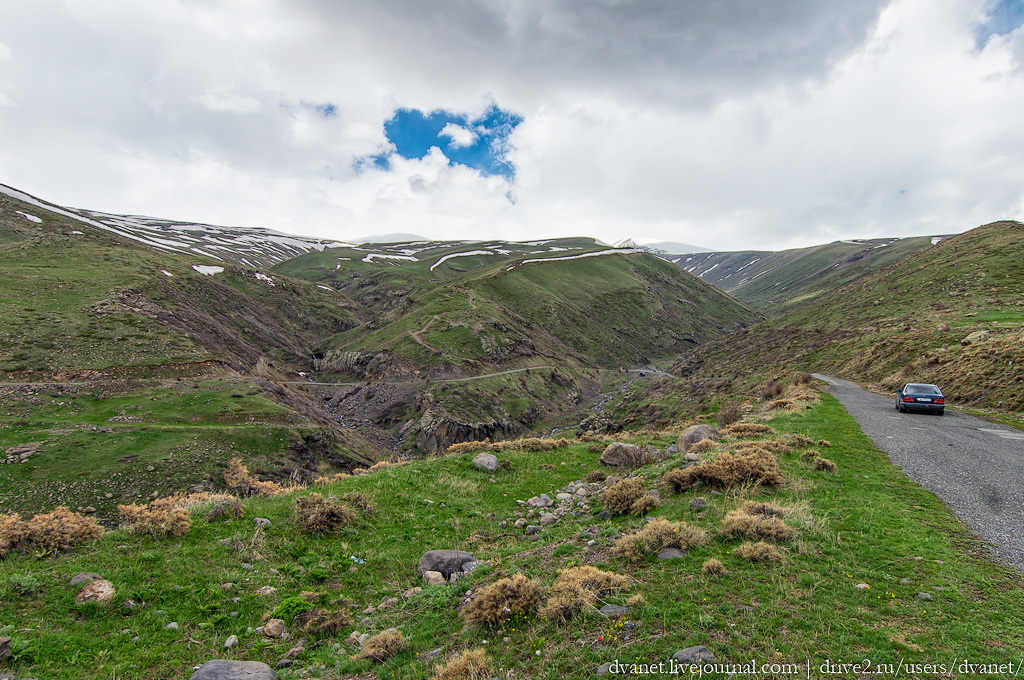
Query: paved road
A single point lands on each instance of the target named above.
(975, 466)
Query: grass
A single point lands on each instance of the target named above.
(865, 524)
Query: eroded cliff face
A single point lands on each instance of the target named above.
(437, 431)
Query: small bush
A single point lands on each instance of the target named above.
(502, 600)
(776, 446)
(771, 390)
(596, 476)
(729, 415)
(62, 529)
(755, 466)
(619, 497)
(577, 588)
(319, 515)
(14, 534)
(321, 622)
(804, 379)
(809, 453)
(703, 446)
(759, 551)
(643, 505)
(472, 664)
(238, 479)
(780, 404)
(289, 608)
(23, 584)
(745, 429)
(147, 520)
(712, 567)
(383, 646)
(825, 465)
(740, 524)
(470, 447)
(657, 535)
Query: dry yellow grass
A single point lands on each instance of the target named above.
(503, 600)
(712, 567)
(620, 497)
(319, 515)
(750, 466)
(472, 664)
(741, 524)
(759, 551)
(383, 646)
(577, 588)
(656, 535)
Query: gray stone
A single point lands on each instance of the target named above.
(924, 596)
(446, 562)
(224, 669)
(699, 654)
(173, 625)
(470, 567)
(904, 580)
(486, 461)
(261, 522)
(283, 663)
(548, 518)
(622, 455)
(5, 647)
(603, 669)
(694, 434)
(99, 591)
(433, 578)
(604, 514)
(613, 610)
(671, 554)
(698, 503)
(691, 457)
(532, 529)
(231, 642)
(84, 577)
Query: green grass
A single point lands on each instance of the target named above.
(866, 524)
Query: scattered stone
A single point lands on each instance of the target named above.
(691, 458)
(150, 468)
(128, 605)
(433, 578)
(536, 502)
(366, 622)
(698, 503)
(622, 455)
(604, 514)
(519, 523)
(470, 567)
(224, 669)
(671, 554)
(532, 529)
(173, 625)
(246, 566)
(283, 663)
(83, 577)
(548, 518)
(266, 591)
(904, 580)
(612, 610)
(227, 586)
(231, 642)
(5, 647)
(273, 628)
(486, 461)
(975, 337)
(694, 434)
(411, 592)
(261, 522)
(699, 654)
(446, 562)
(88, 510)
(603, 669)
(563, 496)
(99, 591)
(924, 596)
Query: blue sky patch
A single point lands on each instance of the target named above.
(1004, 16)
(480, 143)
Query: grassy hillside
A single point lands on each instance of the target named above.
(863, 543)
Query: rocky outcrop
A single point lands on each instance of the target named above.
(445, 562)
(437, 433)
(695, 433)
(225, 669)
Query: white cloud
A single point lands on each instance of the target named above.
(460, 136)
(716, 124)
(5, 53)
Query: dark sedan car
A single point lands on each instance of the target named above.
(920, 397)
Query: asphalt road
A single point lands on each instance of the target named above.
(975, 466)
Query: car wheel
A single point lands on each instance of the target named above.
(942, 412)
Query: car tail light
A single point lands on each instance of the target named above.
(908, 399)
(940, 400)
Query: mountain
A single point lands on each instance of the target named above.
(673, 248)
(389, 238)
(775, 281)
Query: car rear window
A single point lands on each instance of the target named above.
(922, 389)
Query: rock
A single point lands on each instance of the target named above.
(604, 514)
(612, 610)
(99, 591)
(563, 496)
(266, 591)
(433, 578)
(603, 669)
(88, 510)
(548, 518)
(699, 654)
(622, 455)
(672, 450)
(520, 523)
(537, 502)
(231, 642)
(691, 458)
(261, 522)
(698, 503)
(694, 434)
(924, 596)
(486, 461)
(975, 337)
(283, 663)
(411, 592)
(173, 625)
(5, 647)
(83, 577)
(652, 454)
(224, 669)
(671, 554)
(225, 541)
(470, 567)
(446, 562)
(273, 628)
(611, 480)
(862, 586)
(532, 529)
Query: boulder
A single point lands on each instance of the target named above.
(622, 455)
(81, 578)
(694, 434)
(99, 591)
(224, 669)
(446, 562)
(273, 628)
(974, 338)
(433, 578)
(699, 654)
(486, 461)
(671, 554)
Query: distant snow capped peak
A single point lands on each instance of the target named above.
(673, 248)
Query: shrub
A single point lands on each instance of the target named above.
(23, 584)
(712, 567)
(619, 497)
(755, 466)
(143, 520)
(227, 509)
(577, 588)
(745, 525)
(656, 535)
(472, 664)
(61, 529)
(703, 446)
(809, 453)
(729, 415)
(763, 508)
(824, 443)
(321, 622)
(379, 465)
(770, 390)
(780, 403)
(237, 477)
(804, 379)
(14, 534)
(502, 600)
(330, 479)
(643, 505)
(319, 515)
(759, 551)
(797, 440)
(596, 476)
(774, 445)
(289, 608)
(825, 465)
(744, 429)
(383, 646)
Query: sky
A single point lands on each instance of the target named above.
(738, 124)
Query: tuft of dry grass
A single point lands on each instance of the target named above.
(596, 476)
(703, 446)
(729, 415)
(323, 480)
(797, 440)
(154, 521)
(319, 515)
(781, 404)
(14, 534)
(383, 646)
(502, 600)
(644, 505)
(749, 466)
(825, 465)
(776, 446)
(809, 453)
(656, 535)
(230, 508)
(359, 500)
(759, 551)
(824, 443)
(745, 429)
(472, 664)
(741, 524)
(577, 588)
(321, 622)
(61, 529)
(238, 479)
(712, 567)
(530, 444)
(620, 497)
(764, 508)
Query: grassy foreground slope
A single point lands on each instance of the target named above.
(867, 543)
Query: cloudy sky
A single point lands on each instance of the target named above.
(732, 125)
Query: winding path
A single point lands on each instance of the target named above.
(976, 467)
